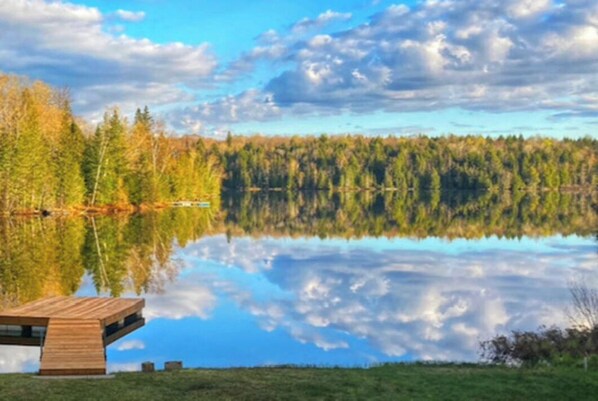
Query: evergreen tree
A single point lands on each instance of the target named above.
(68, 161)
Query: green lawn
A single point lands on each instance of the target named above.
(391, 382)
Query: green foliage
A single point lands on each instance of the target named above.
(68, 163)
(355, 162)
(108, 165)
(132, 252)
(193, 175)
(31, 179)
(551, 345)
(46, 161)
(39, 258)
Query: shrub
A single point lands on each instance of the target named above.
(551, 345)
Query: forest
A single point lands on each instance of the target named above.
(50, 160)
(414, 163)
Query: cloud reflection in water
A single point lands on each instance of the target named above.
(357, 302)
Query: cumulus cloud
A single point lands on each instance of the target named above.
(123, 367)
(251, 105)
(67, 45)
(494, 56)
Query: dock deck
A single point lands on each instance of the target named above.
(73, 332)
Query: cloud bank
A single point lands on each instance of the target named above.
(69, 45)
(495, 56)
(491, 56)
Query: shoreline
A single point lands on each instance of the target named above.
(131, 208)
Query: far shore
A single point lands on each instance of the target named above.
(145, 207)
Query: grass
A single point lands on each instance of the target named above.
(389, 382)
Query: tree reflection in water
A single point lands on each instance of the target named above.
(134, 253)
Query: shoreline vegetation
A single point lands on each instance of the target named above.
(413, 381)
(129, 208)
(52, 161)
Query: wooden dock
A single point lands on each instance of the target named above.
(72, 332)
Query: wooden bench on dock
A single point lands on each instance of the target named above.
(73, 332)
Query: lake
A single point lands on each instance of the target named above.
(350, 279)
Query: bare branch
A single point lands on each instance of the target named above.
(584, 303)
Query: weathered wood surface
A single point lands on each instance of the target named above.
(73, 347)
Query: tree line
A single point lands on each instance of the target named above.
(452, 162)
(51, 160)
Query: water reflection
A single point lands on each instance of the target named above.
(43, 257)
(268, 279)
(401, 298)
(460, 214)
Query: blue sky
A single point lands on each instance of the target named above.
(285, 67)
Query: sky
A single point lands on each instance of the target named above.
(373, 67)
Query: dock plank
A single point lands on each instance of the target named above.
(73, 347)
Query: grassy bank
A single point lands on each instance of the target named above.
(392, 382)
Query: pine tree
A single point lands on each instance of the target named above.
(70, 185)
(32, 180)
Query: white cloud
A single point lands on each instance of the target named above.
(129, 345)
(130, 16)
(320, 21)
(251, 105)
(67, 45)
(527, 8)
(495, 56)
(123, 367)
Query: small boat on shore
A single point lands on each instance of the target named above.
(200, 204)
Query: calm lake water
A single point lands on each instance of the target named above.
(313, 278)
